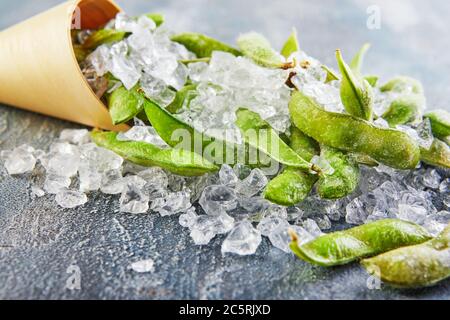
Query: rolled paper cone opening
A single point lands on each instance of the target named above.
(38, 68)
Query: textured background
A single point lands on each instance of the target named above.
(39, 242)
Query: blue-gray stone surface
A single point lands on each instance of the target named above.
(39, 242)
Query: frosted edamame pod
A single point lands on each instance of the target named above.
(183, 96)
(356, 92)
(437, 155)
(259, 134)
(345, 178)
(291, 45)
(293, 186)
(124, 105)
(178, 161)
(440, 123)
(372, 80)
(203, 46)
(103, 36)
(344, 132)
(157, 18)
(256, 47)
(421, 265)
(331, 74)
(358, 60)
(403, 85)
(343, 247)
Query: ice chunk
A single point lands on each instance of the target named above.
(157, 90)
(189, 218)
(444, 187)
(20, 160)
(323, 164)
(37, 192)
(133, 200)
(359, 209)
(432, 179)
(206, 227)
(54, 184)
(413, 213)
(425, 134)
(75, 136)
(144, 266)
(142, 134)
(216, 200)
(122, 67)
(70, 199)
(244, 239)
(253, 184)
(312, 228)
(173, 203)
(275, 210)
(100, 59)
(269, 224)
(227, 176)
(112, 182)
(254, 205)
(435, 223)
(63, 160)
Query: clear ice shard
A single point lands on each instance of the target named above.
(243, 240)
(70, 199)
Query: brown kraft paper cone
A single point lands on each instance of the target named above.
(38, 68)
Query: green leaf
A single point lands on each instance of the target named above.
(292, 45)
(256, 47)
(358, 59)
(331, 74)
(372, 80)
(203, 46)
(124, 105)
(356, 92)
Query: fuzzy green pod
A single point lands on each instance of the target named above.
(183, 96)
(344, 132)
(356, 93)
(124, 105)
(403, 84)
(345, 178)
(343, 247)
(180, 161)
(405, 109)
(103, 36)
(202, 45)
(293, 186)
(256, 47)
(437, 155)
(358, 60)
(292, 45)
(440, 123)
(421, 265)
(331, 74)
(157, 18)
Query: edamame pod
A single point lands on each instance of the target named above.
(183, 96)
(437, 155)
(178, 161)
(343, 247)
(331, 75)
(344, 132)
(372, 80)
(257, 47)
(103, 36)
(414, 266)
(405, 109)
(291, 45)
(203, 46)
(293, 186)
(440, 123)
(358, 60)
(124, 105)
(345, 178)
(258, 134)
(356, 92)
(403, 84)
(157, 18)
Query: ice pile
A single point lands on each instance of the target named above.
(230, 82)
(147, 56)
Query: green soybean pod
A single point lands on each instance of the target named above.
(124, 105)
(343, 247)
(344, 132)
(259, 134)
(421, 265)
(292, 45)
(372, 80)
(202, 45)
(358, 60)
(178, 161)
(157, 18)
(437, 155)
(356, 93)
(345, 178)
(331, 74)
(103, 36)
(405, 109)
(293, 186)
(440, 123)
(403, 84)
(183, 96)
(256, 47)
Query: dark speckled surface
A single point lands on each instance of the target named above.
(39, 242)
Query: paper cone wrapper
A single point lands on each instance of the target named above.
(38, 68)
